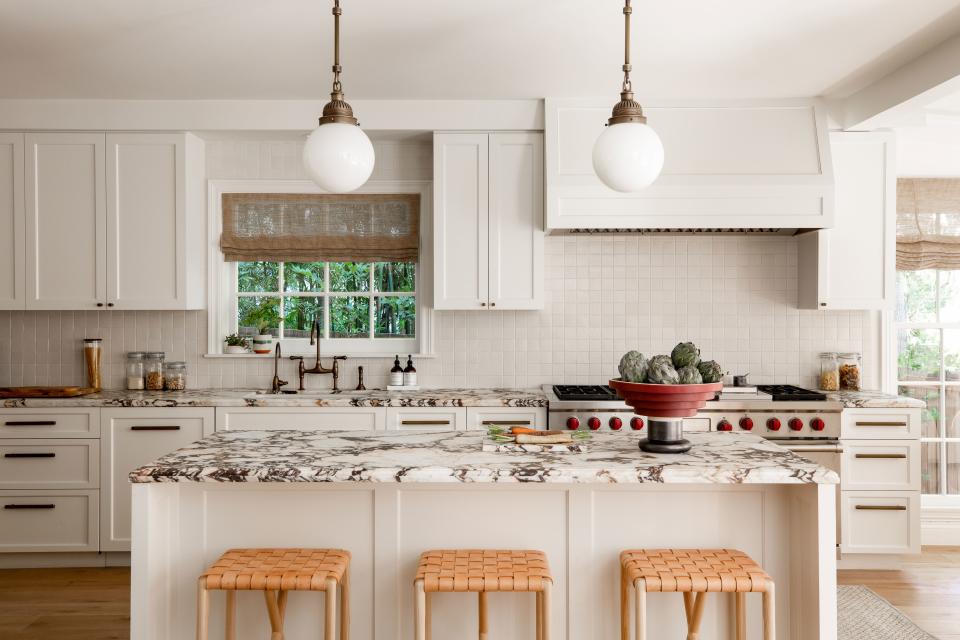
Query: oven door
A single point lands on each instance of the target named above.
(826, 453)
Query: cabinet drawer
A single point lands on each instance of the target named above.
(427, 418)
(880, 522)
(882, 424)
(279, 418)
(50, 423)
(49, 521)
(483, 417)
(881, 465)
(49, 464)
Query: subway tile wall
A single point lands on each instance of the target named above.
(735, 296)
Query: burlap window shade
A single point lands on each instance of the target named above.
(314, 228)
(928, 223)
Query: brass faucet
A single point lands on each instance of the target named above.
(317, 367)
(277, 382)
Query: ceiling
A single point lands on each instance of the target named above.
(458, 49)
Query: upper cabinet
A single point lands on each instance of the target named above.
(488, 221)
(747, 165)
(851, 266)
(11, 221)
(114, 221)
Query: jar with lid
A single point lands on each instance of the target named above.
(175, 376)
(849, 371)
(153, 370)
(134, 370)
(829, 372)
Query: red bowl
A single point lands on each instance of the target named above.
(666, 400)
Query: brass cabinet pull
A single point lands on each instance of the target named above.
(880, 507)
(424, 422)
(171, 427)
(29, 455)
(29, 506)
(29, 423)
(879, 456)
(506, 422)
(881, 424)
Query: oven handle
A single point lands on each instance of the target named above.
(813, 448)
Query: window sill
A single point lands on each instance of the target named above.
(311, 354)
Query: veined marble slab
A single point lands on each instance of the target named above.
(874, 400)
(251, 398)
(452, 456)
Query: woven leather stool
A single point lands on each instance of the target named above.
(693, 571)
(276, 572)
(481, 571)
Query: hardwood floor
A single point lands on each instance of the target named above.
(927, 589)
(94, 604)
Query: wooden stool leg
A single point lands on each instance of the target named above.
(482, 615)
(545, 611)
(273, 610)
(330, 610)
(688, 606)
(428, 616)
(345, 606)
(624, 607)
(419, 611)
(539, 599)
(693, 630)
(769, 619)
(640, 594)
(203, 609)
(740, 615)
(230, 627)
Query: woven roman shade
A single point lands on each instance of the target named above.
(294, 227)
(928, 223)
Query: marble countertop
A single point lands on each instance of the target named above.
(253, 398)
(874, 400)
(457, 456)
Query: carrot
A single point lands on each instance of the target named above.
(530, 432)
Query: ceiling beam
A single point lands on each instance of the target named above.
(927, 78)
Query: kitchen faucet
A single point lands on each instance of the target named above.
(277, 382)
(317, 367)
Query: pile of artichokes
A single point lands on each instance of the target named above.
(682, 366)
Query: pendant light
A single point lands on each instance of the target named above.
(628, 155)
(338, 155)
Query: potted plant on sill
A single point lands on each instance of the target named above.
(234, 343)
(264, 316)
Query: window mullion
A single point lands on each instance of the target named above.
(370, 310)
(280, 295)
(327, 321)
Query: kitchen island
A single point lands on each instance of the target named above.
(388, 496)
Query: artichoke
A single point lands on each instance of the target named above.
(710, 371)
(689, 375)
(660, 370)
(685, 354)
(633, 367)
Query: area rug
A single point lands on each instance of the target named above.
(863, 615)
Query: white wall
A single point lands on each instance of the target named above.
(735, 296)
(928, 152)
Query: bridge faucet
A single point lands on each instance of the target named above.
(317, 367)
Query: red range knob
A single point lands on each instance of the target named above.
(573, 423)
(724, 426)
(773, 424)
(817, 424)
(636, 424)
(746, 423)
(616, 423)
(593, 423)
(796, 424)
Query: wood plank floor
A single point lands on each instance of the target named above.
(927, 589)
(94, 604)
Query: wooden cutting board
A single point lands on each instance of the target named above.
(45, 392)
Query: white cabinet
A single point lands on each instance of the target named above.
(484, 417)
(49, 464)
(426, 418)
(47, 520)
(306, 418)
(132, 438)
(488, 221)
(851, 266)
(12, 248)
(114, 220)
(880, 522)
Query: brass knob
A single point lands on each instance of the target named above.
(483, 304)
(493, 304)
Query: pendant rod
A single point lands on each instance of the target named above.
(337, 12)
(627, 11)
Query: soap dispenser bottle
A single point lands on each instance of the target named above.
(396, 374)
(409, 374)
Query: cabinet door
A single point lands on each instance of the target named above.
(485, 417)
(132, 438)
(146, 243)
(301, 418)
(66, 226)
(460, 220)
(516, 220)
(12, 278)
(426, 418)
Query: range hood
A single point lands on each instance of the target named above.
(756, 167)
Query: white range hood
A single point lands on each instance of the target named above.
(754, 167)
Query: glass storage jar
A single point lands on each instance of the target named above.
(153, 370)
(134, 370)
(829, 372)
(849, 371)
(175, 376)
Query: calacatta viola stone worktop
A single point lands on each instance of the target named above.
(368, 456)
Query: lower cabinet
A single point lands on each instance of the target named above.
(426, 418)
(484, 417)
(131, 438)
(49, 520)
(279, 418)
(880, 522)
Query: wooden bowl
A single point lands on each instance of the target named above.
(666, 400)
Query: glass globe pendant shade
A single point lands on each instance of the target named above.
(339, 157)
(628, 156)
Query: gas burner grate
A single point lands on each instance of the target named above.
(599, 392)
(790, 393)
